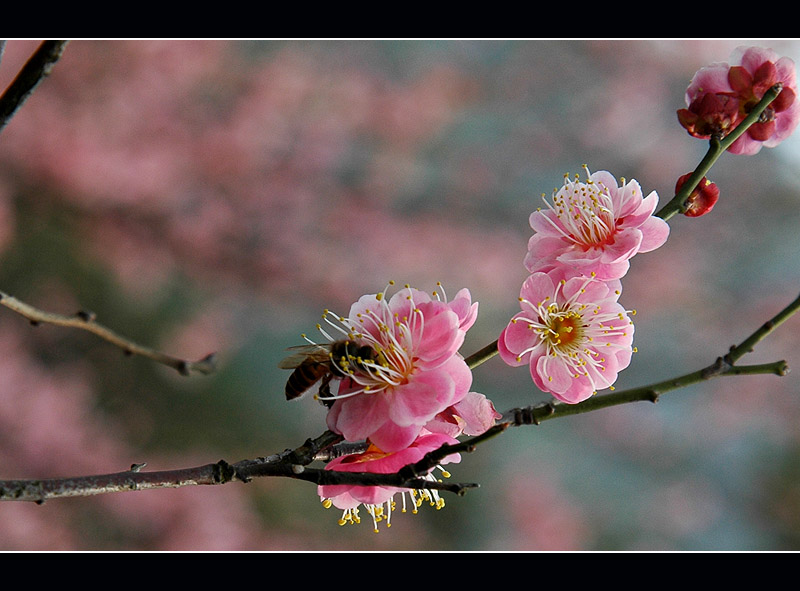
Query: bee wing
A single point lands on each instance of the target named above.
(301, 353)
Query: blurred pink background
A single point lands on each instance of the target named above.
(207, 196)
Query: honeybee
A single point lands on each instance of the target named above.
(323, 363)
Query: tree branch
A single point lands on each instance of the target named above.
(280, 465)
(86, 321)
(38, 66)
(293, 463)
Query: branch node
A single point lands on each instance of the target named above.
(210, 361)
(86, 315)
(183, 368)
(137, 467)
(224, 472)
(720, 366)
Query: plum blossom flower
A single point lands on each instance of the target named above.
(702, 199)
(378, 501)
(595, 227)
(721, 95)
(572, 333)
(417, 371)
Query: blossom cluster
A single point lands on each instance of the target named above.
(571, 330)
(401, 385)
(404, 390)
(721, 95)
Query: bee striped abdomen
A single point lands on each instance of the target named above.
(304, 376)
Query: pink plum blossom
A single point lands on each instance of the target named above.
(721, 95)
(595, 227)
(378, 500)
(417, 372)
(572, 333)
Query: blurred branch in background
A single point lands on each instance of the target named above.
(86, 321)
(32, 73)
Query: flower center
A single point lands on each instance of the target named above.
(563, 328)
(585, 212)
(392, 339)
(572, 333)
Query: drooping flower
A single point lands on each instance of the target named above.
(417, 371)
(572, 332)
(378, 501)
(721, 95)
(702, 199)
(710, 113)
(473, 415)
(595, 227)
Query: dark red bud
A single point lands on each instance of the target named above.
(702, 198)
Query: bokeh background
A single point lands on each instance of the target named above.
(217, 195)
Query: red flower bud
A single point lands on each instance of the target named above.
(702, 199)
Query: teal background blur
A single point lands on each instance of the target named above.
(207, 196)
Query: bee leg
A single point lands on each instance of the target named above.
(325, 391)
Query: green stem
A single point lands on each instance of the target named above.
(716, 149)
(481, 356)
(650, 393)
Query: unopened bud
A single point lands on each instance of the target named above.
(702, 199)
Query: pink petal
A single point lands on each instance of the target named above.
(518, 341)
(536, 287)
(644, 210)
(712, 78)
(358, 416)
(579, 390)
(478, 412)
(626, 244)
(392, 437)
(543, 221)
(441, 337)
(752, 57)
(463, 307)
(655, 232)
(553, 373)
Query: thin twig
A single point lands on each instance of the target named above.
(86, 321)
(36, 69)
(481, 356)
